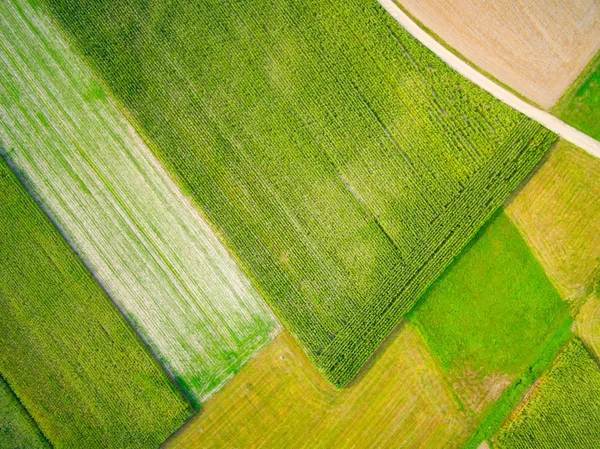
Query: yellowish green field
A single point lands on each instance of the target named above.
(558, 213)
(280, 400)
(562, 411)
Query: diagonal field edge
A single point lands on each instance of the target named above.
(554, 124)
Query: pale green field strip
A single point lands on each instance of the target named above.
(68, 354)
(18, 430)
(145, 242)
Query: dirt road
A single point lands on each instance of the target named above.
(565, 131)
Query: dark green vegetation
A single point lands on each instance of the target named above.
(580, 106)
(17, 428)
(494, 308)
(67, 352)
(562, 411)
(344, 164)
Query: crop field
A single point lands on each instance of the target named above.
(558, 213)
(342, 162)
(280, 400)
(562, 410)
(536, 47)
(17, 428)
(486, 318)
(143, 240)
(580, 106)
(68, 354)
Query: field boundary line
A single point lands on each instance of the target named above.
(551, 122)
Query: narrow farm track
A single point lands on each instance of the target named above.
(555, 125)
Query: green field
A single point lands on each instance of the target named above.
(562, 410)
(490, 313)
(580, 106)
(343, 163)
(17, 429)
(147, 245)
(67, 353)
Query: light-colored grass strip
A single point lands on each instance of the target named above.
(143, 240)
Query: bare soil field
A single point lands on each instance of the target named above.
(280, 400)
(558, 213)
(536, 47)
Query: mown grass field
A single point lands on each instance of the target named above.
(562, 410)
(558, 213)
(489, 314)
(68, 354)
(343, 163)
(144, 241)
(18, 430)
(580, 106)
(280, 400)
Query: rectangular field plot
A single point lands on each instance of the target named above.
(563, 409)
(140, 236)
(489, 314)
(18, 430)
(280, 400)
(344, 164)
(68, 354)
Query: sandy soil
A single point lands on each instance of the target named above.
(537, 47)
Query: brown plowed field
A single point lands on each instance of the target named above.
(536, 47)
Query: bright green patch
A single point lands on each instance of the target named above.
(562, 411)
(580, 106)
(492, 310)
(66, 351)
(343, 162)
(17, 429)
(510, 397)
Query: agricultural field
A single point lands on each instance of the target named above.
(17, 429)
(536, 47)
(563, 408)
(280, 400)
(70, 357)
(580, 106)
(343, 163)
(487, 317)
(141, 237)
(558, 213)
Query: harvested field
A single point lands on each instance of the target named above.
(558, 213)
(344, 164)
(145, 242)
(18, 430)
(587, 323)
(67, 353)
(536, 47)
(280, 400)
(563, 409)
(486, 318)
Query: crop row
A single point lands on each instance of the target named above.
(562, 410)
(342, 162)
(70, 357)
(150, 249)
